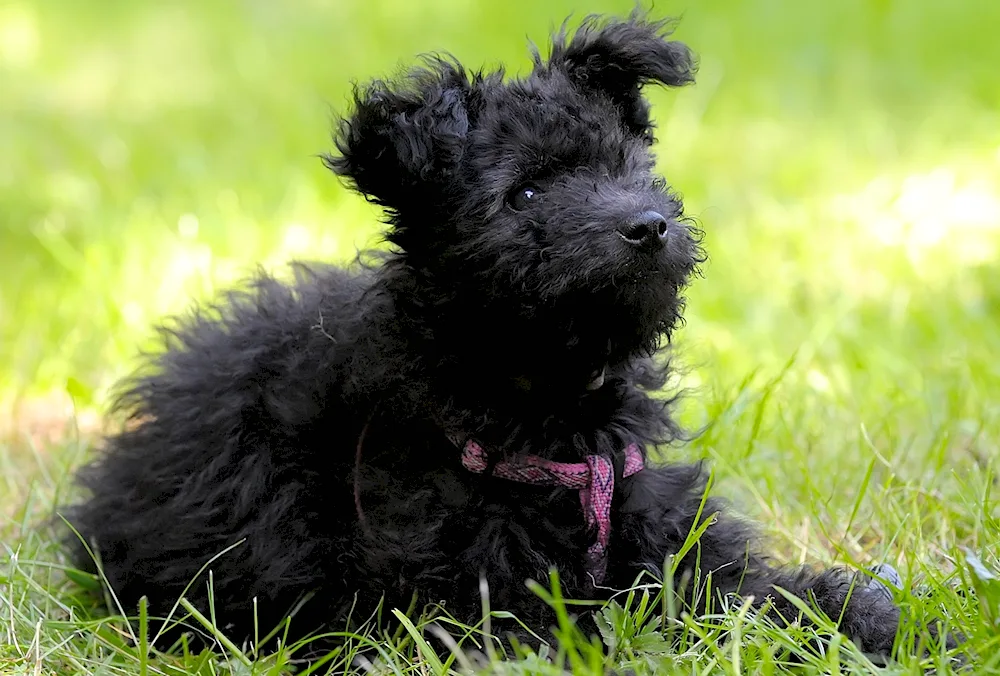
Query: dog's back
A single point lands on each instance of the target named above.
(207, 460)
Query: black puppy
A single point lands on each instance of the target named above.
(478, 402)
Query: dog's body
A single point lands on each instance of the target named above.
(320, 426)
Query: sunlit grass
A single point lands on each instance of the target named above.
(843, 159)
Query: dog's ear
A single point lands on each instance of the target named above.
(618, 57)
(403, 138)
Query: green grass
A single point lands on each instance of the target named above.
(844, 159)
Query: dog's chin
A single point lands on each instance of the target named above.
(645, 319)
(616, 323)
(643, 295)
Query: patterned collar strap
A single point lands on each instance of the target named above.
(594, 478)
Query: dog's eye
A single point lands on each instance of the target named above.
(523, 197)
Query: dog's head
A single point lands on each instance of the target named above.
(536, 198)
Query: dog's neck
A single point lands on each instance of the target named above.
(535, 388)
(510, 347)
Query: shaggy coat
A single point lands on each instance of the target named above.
(302, 439)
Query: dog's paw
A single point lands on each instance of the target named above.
(882, 578)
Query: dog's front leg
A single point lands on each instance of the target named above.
(660, 514)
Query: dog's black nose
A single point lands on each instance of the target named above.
(648, 229)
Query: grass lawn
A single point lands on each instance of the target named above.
(843, 158)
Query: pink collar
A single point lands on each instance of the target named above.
(594, 478)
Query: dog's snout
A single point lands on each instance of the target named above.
(648, 229)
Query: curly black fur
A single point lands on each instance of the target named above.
(534, 249)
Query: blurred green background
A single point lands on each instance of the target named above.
(843, 157)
